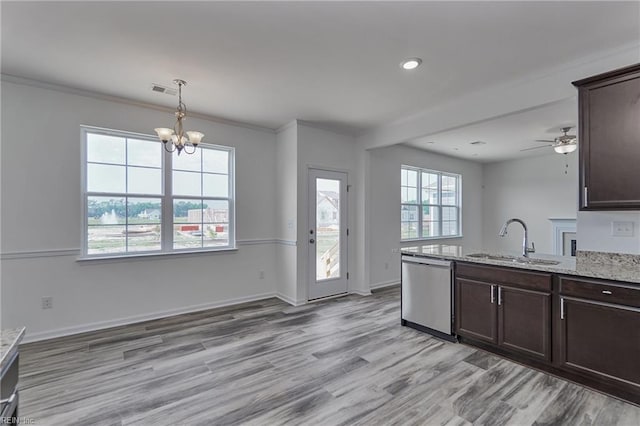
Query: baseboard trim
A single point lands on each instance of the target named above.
(290, 300)
(101, 325)
(385, 284)
(361, 292)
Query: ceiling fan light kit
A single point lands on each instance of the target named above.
(562, 144)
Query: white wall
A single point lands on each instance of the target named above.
(594, 232)
(384, 205)
(41, 221)
(533, 189)
(325, 149)
(287, 211)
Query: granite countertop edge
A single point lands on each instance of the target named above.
(567, 266)
(9, 341)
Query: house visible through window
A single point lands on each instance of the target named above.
(140, 199)
(430, 204)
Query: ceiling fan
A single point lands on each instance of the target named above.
(562, 144)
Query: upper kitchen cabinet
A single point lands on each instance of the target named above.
(609, 136)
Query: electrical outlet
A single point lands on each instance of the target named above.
(622, 229)
(47, 302)
(261, 275)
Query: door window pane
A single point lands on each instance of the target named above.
(327, 229)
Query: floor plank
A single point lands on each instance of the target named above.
(344, 361)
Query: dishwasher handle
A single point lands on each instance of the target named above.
(426, 261)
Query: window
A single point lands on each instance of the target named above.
(140, 199)
(430, 204)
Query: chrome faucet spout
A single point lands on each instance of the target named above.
(525, 242)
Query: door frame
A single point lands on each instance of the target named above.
(344, 230)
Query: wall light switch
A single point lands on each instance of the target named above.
(622, 229)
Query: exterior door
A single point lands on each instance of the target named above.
(327, 235)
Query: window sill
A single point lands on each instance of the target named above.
(414, 240)
(142, 256)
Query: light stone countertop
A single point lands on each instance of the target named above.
(9, 340)
(610, 266)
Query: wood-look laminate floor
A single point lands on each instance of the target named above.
(344, 361)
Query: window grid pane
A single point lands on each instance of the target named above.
(437, 196)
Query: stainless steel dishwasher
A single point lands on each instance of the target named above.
(427, 296)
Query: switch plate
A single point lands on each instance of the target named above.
(622, 229)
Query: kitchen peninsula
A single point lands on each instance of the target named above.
(576, 318)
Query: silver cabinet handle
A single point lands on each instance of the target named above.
(499, 295)
(586, 197)
(493, 287)
(561, 308)
(606, 292)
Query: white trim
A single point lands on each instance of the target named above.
(560, 226)
(384, 284)
(290, 300)
(27, 254)
(101, 325)
(103, 96)
(361, 292)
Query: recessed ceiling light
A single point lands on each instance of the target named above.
(478, 143)
(411, 63)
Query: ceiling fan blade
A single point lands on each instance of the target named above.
(544, 140)
(535, 147)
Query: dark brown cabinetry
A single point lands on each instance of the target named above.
(609, 137)
(600, 332)
(505, 307)
(475, 305)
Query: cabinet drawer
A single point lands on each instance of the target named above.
(603, 291)
(512, 277)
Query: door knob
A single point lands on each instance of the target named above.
(312, 241)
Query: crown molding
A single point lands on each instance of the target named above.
(9, 78)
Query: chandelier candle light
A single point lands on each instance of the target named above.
(180, 140)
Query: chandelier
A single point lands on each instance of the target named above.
(180, 140)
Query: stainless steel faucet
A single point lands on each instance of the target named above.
(525, 242)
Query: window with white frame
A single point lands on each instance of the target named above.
(430, 204)
(139, 199)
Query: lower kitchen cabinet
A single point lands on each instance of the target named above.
(510, 309)
(601, 339)
(476, 310)
(599, 332)
(524, 321)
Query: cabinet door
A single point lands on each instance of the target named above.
(524, 322)
(610, 143)
(602, 340)
(476, 310)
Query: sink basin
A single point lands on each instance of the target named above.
(514, 259)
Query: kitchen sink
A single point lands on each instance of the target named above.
(514, 259)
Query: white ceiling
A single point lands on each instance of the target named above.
(505, 136)
(333, 63)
